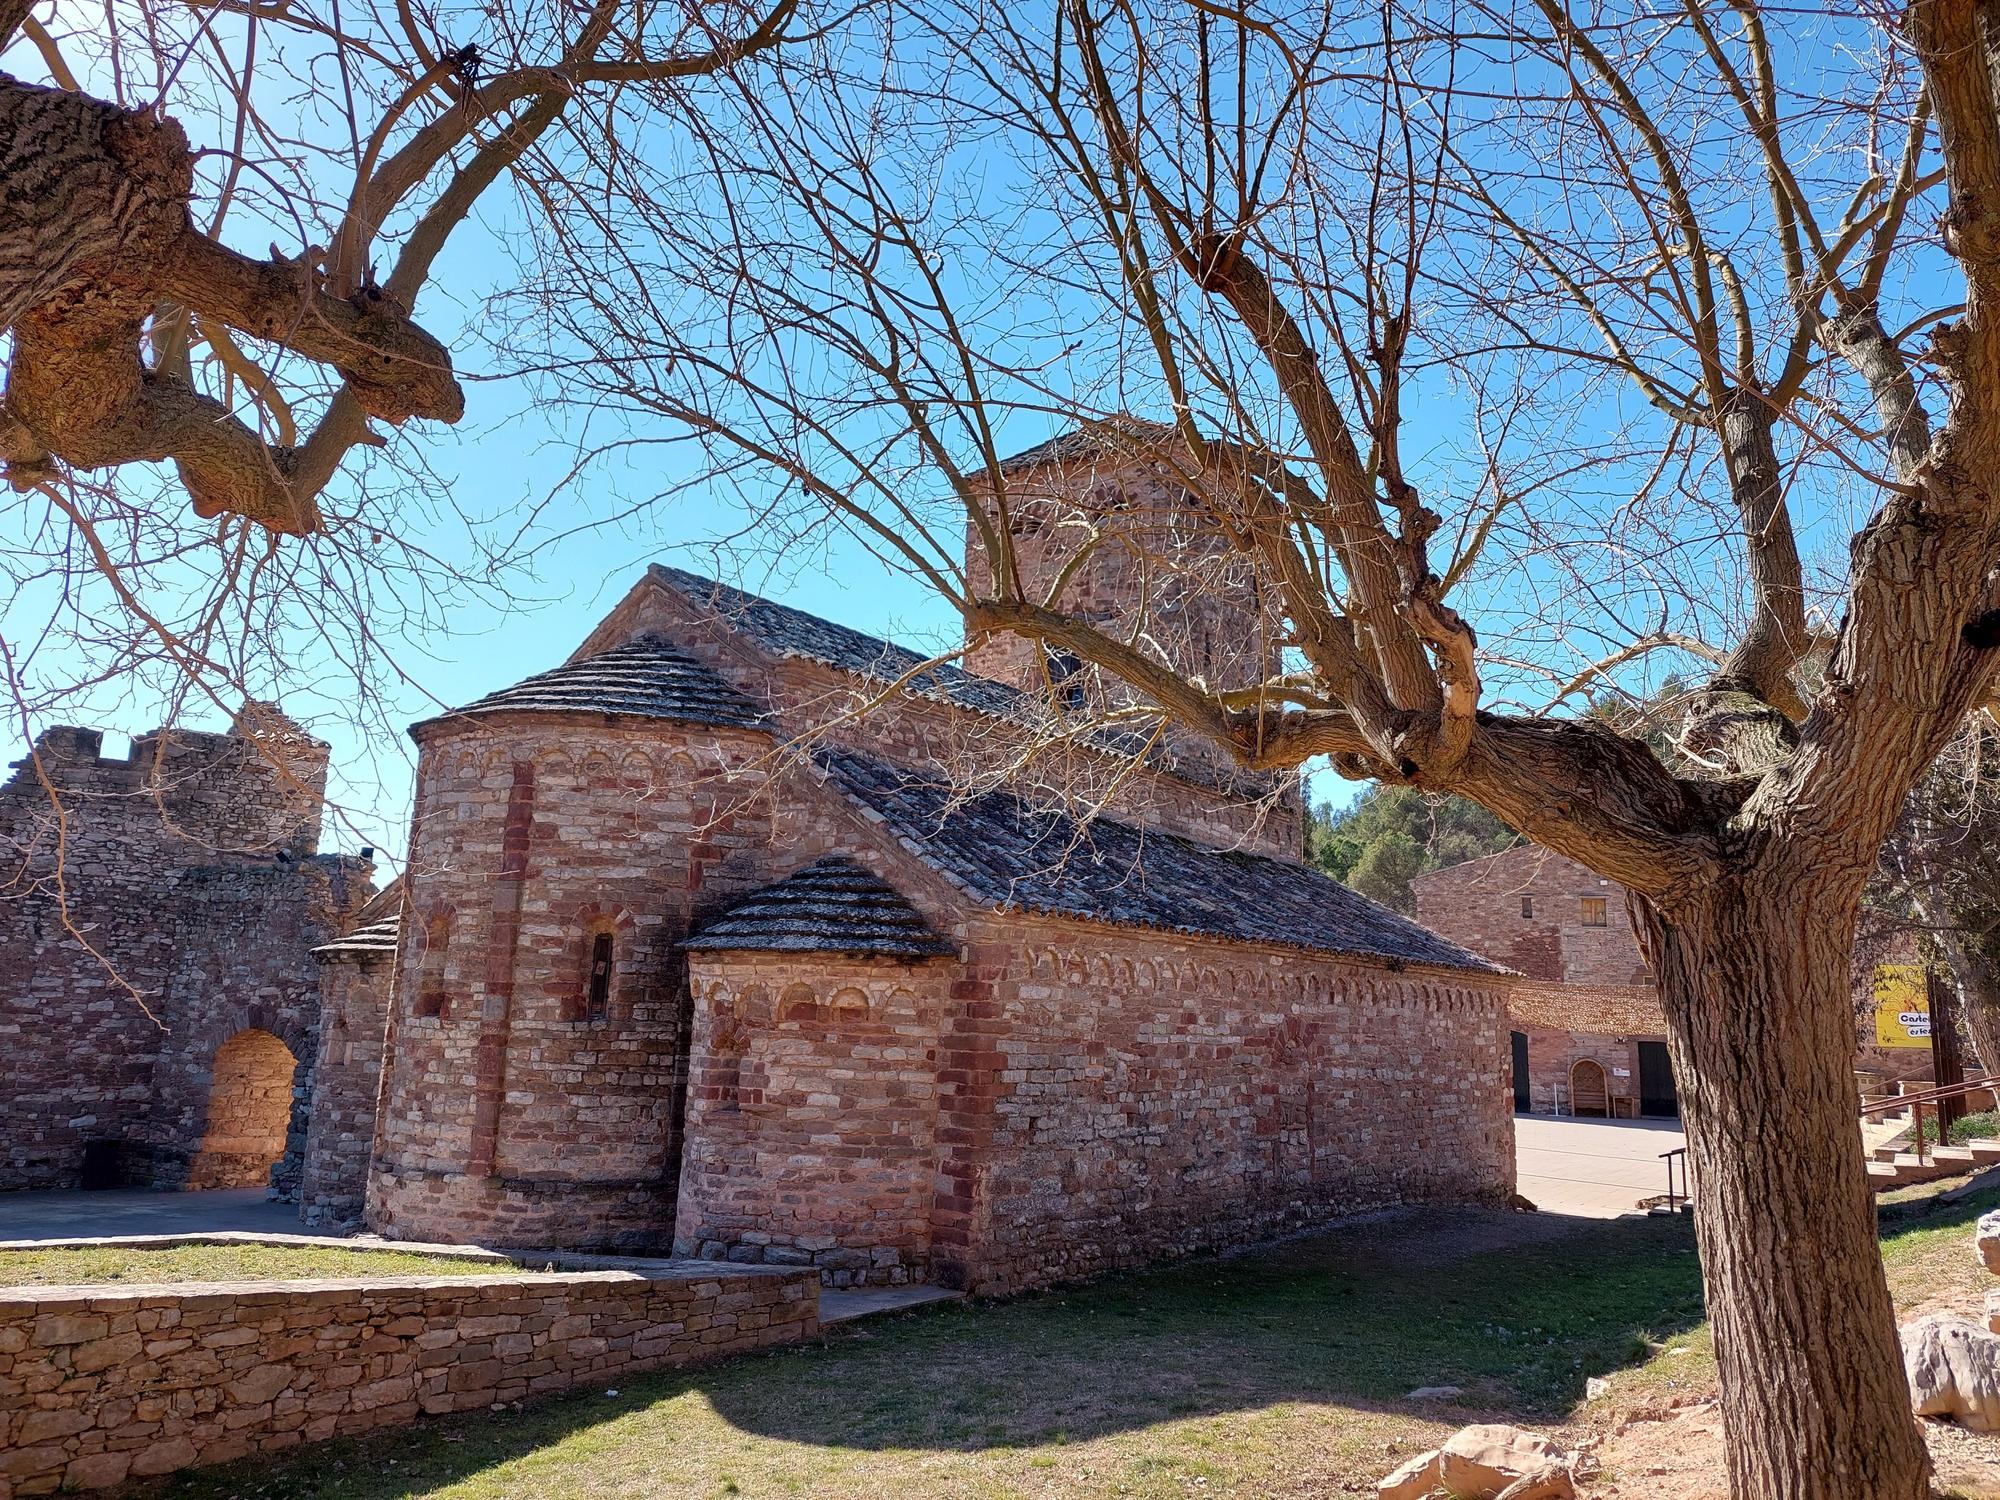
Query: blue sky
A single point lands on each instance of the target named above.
(510, 460)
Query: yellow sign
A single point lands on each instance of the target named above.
(1902, 1006)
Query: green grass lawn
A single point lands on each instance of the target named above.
(226, 1263)
(1281, 1373)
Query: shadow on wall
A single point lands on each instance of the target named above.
(1356, 1318)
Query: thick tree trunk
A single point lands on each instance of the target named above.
(1754, 973)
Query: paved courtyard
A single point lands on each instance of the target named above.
(1592, 1169)
(81, 1215)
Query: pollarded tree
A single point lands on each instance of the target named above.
(1592, 323)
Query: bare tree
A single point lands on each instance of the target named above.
(1597, 324)
(158, 355)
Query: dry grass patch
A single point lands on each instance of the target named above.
(108, 1265)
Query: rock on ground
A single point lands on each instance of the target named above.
(1954, 1369)
(1986, 1237)
(1485, 1462)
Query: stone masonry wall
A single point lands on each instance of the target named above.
(1076, 1100)
(1478, 905)
(1113, 1099)
(812, 1114)
(101, 1385)
(512, 1115)
(347, 1083)
(167, 862)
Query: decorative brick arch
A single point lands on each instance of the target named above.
(249, 1111)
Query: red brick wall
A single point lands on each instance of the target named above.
(1112, 1100)
(1076, 1100)
(812, 1114)
(167, 860)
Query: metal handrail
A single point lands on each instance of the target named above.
(1675, 1200)
(1934, 1095)
(1926, 1096)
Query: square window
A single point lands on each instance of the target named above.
(1595, 911)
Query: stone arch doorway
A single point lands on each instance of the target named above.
(249, 1112)
(1588, 1092)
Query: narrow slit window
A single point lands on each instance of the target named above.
(1594, 911)
(597, 1003)
(1527, 906)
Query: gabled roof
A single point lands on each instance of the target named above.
(787, 632)
(646, 677)
(1010, 856)
(831, 906)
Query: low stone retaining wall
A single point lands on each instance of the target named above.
(103, 1384)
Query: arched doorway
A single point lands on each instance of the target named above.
(249, 1111)
(1587, 1091)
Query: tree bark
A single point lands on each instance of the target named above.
(1754, 972)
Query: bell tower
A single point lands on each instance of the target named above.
(1120, 515)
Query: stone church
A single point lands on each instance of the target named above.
(749, 935)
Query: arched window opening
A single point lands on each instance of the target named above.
(431, 998)
(597, 1000)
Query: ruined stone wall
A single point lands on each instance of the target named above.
(99, 1385)
(1111, 1099)
(514, 1115)
(166, 862)
(812, 1113)
(346, 1085)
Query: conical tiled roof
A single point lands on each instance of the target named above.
(831, 906)
(646, 677)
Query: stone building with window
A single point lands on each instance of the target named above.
(1588, 1036)
(746, 935)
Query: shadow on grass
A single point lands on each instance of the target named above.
(1357, 1318)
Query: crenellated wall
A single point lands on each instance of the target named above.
(152, 906)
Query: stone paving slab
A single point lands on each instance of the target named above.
(46, 1215)
(866, 1302)
(1591, 1169)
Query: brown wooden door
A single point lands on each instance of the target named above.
(1587, 1091)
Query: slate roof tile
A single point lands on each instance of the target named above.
(832, 906)
(647, 677)
(787, 632)
(1010, 855)
(378, 937)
